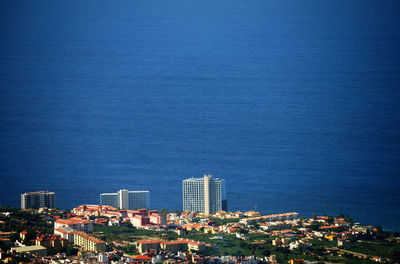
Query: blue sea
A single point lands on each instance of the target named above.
(296, 104)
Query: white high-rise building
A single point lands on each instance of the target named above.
(206, 195)
(111, 199)
(37, 200)
(125, 199)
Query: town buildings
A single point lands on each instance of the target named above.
(37, 200)
(65, 232)
(270, 218)
(75, 224)
(172, 246)
(93, 210)
(142, 217)
(289, 234)
(206, 195)
(54, 241)
(125, 199)
(88, 242)
(30, 250)
(138, 218)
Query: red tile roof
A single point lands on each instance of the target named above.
(88, 237)
(141, 257)
(174, 242)
(72, 221)
(91, 207)
(149, 241)
(329, 227)
(63, 231)
(271, 216)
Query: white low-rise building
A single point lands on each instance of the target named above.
(75, 223)
(65, 232)
(102, 258)
(156, 259)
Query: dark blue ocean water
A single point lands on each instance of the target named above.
(296, 104)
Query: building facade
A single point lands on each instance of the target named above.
(65, 232)
(110, 199)
(88, 242)
(90, 209)
(172, 246)
(142, 217)
(125, 199)
(206, 195)
(35, 200)
(75, 224)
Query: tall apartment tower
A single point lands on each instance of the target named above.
(206, 195)
(124, 199)
(34, 200)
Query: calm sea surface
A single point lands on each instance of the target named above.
(296, 104)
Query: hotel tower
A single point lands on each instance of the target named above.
(125, 199)
(205, 195)
(37, 200)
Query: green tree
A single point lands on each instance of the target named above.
(14, 237)
(72, 251)
(315, 225)
(395, 254)
(266, 252)
(51, 251)
(4, 246)
(109, 248)
(29, 237)
(130, 249)
(243, 231)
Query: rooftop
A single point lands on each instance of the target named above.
(39, 192)
(88, 237)
(149, 241)
(72, 221)
(95, 207)
(64, 230)
(141, 257)
(29, 248)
